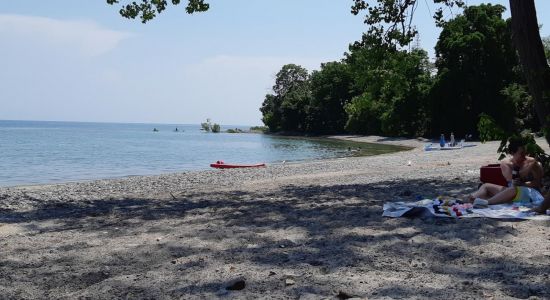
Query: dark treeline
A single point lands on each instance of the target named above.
(474, 87)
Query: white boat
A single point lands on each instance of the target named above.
(432, 147)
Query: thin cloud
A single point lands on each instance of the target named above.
(86, 37)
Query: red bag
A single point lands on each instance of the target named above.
(492, 174)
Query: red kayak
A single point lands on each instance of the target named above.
(221, 165)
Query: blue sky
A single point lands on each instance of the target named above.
(72, 60)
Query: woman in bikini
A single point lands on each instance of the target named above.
(524, 177)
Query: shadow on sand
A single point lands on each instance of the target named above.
(333, 236)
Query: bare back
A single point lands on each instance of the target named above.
(530, 172)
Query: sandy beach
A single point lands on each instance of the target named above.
(303, 230)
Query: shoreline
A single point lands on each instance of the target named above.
(306, 230)
(336, 138)
(132, 185)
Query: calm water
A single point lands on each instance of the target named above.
(33, 152)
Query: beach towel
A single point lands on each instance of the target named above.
(450, 208)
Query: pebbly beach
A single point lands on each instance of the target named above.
(300, 230)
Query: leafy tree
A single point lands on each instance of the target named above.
(391, 22)
(488, 129)
(394, 86)
(206, 126)
(546, 42)
(527, 40)
(331, 88)
(475, 62)
(290, 76)
(364, 114)
(271, 112)
(525, 118)
(216, 127)
(285, 109)
(147, 10)
(294, 108)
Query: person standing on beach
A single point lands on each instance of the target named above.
(452, 142)
(442, 141)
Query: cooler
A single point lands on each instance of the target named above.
(492, 174)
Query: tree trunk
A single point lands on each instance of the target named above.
(526, 37)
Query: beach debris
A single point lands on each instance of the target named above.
(315, 263)
(236, 284)
(343, 296)
(310, 296)
(409, 163)
(290, 281)
(405, 193)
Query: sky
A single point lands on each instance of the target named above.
(67, 60)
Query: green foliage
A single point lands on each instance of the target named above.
(390, 21)
(206, 126)
(489, 130)
(209, 127)
(290, 76)
(294, 108)
(331, 88)
(517, 97)
(379, 88)
(262, 129)
(475, 62)
(285, 110)
(363, 115)
(236, 130)
(395, 85)
(389, 86)
(546, 43)
(147, 10)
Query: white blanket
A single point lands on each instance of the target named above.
(427, 207)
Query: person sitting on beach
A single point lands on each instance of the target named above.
(524, 177)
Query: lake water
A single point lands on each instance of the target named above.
(36, 152)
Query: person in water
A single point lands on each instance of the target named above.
(524, 177)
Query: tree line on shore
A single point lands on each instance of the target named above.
(475, 86)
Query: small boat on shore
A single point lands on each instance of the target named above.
(431, 147)
(460, 145)
(221, 165)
